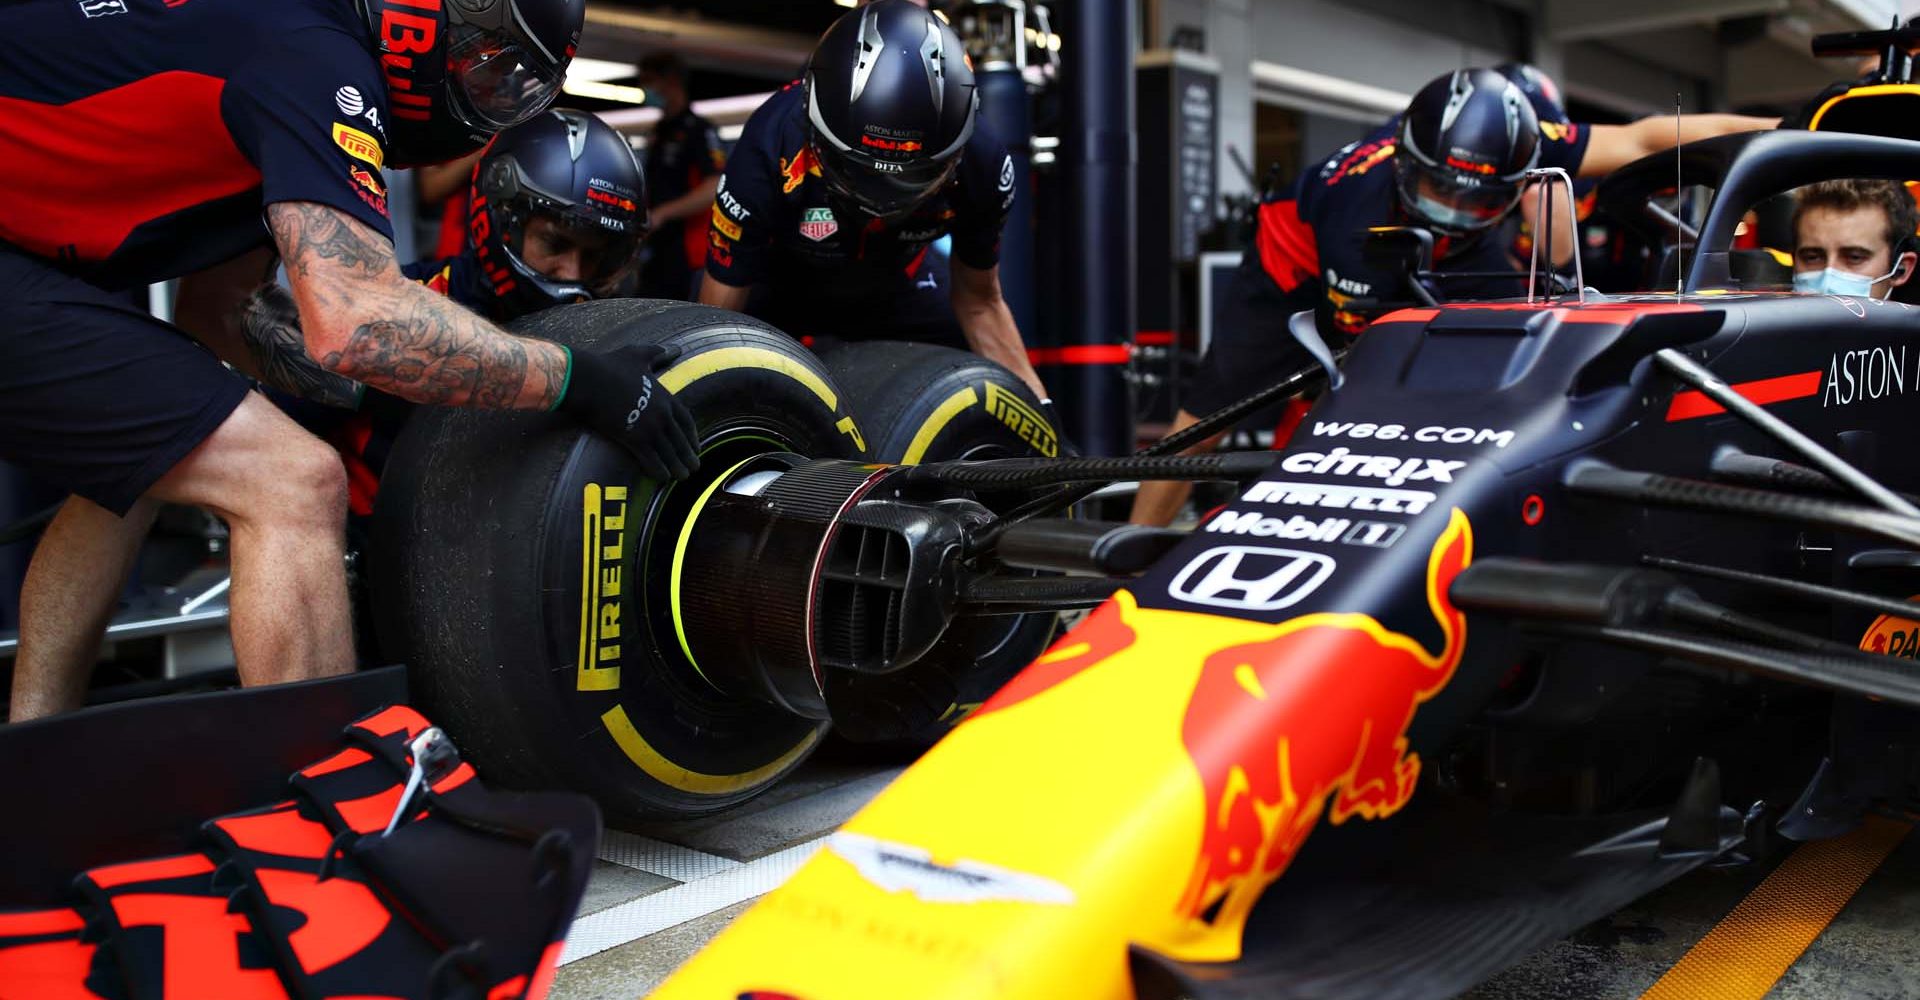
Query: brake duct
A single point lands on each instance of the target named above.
(803, 568)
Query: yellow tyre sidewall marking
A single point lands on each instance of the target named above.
(666, 772)
(943, 415)
(619, 725)
(699, 366)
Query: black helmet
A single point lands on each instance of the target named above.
(891, 104)
(573, 168)
(1465, 142)
(459, 71)
(1541, 90)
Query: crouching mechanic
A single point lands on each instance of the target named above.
(1454, 164)
(840, 185)
(1853, 238)
(556, 216)
(144, 145)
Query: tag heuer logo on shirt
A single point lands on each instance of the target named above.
(817, 224)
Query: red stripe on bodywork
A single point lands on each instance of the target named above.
(1086, 354)
(202, 942)
(372, 813)
(1690, 404)
(1154, 338)
(343, 916)
(156, 870)
(350, 757)
(85, 174)
(392, 720)
(39, 922)
(283, 832)
(50, 970)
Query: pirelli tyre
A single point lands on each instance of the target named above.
(521, 569)
(921, 403)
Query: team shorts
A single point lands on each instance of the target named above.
(97, 397)
(1251, 347)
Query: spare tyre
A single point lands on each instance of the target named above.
(922, 403)
(520, 566)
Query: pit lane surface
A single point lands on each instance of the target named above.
(660, 893)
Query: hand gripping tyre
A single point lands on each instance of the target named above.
(921, 403)
(522, 568)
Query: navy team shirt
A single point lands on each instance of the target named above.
(685, 150)
(1310, 241)
(143, 138)
(459, 278)
(774, 226)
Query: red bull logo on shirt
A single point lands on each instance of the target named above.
(1309, 722)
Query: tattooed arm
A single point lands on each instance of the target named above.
(364, 321)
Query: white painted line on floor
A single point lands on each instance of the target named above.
(681, 864)
(651, 914)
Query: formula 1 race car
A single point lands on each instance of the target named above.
(1548, 603)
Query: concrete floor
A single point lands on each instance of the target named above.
(1867, 953)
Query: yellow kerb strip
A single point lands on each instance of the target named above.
(658, 767)
(1749, 950)
(942, 416)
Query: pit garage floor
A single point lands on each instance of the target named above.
(659, 894)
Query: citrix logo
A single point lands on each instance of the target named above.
(1395, 470)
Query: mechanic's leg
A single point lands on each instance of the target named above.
(73, 584)
(283, 494)
(1158, 503)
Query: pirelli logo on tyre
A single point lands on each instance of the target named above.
(358, 144)
(601, 568)
(1023, 420)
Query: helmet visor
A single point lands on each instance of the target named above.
(884, 189)
(1451, 202)
(574, 243)
(496, 84)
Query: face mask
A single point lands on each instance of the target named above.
(1833, 281)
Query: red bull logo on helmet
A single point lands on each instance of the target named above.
(1309, 722)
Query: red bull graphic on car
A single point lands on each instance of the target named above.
(1318, 714)
(1168, 764)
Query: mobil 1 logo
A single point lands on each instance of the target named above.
(1298, 528)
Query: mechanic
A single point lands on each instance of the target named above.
(684, 163)
(146, 142)
(1454, 165)
(841, 184)
(1853, 237)
(557, 218)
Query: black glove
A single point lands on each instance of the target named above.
(617, 394)
(270, 326)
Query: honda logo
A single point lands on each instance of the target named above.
(1251, 578)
